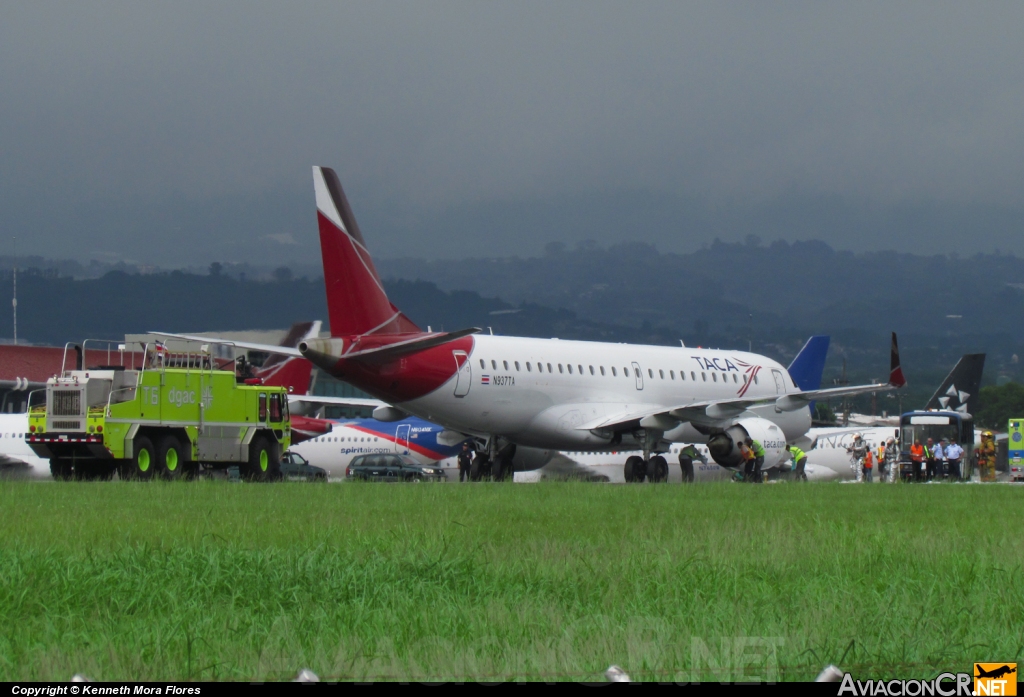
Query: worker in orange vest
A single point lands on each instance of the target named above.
(869, 457)
(917, 458)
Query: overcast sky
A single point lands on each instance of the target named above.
(180, 133)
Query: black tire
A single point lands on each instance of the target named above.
(501, 469)
(478, 467)
(143, 465)
(658, 469)
(171, 459)
(264, 461)
(61, 469)
(634, 469)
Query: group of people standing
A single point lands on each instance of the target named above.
(942, 460)
(866, 459)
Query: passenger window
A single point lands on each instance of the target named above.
(275, 407)
(672, 374)
(650, 373)
(482, 364)
(614, 374)
(735, 378)
(704, 376)
(517, 366)
(637, 371)
(744, 379)
(755, 379)
(549, 368)
(662, 374)
(505, 363)
(714, 377)
(528, 368)
(263, 407)
(581, 369)
(693, 375)
(494, 364)
(570, 368)
(591, 370)
(560, 368)
(540, 367)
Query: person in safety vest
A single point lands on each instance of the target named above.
(869, 458)
(987, 457)
(686, 457)
(799, 462)
(917, 458)
(758, 450)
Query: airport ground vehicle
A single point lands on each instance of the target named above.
(1015, 450)
(922, 425)
(392, 468)
(294, 466)
(165, 416)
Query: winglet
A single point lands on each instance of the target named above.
(896, 378)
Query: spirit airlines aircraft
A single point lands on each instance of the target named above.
(958, 392)
(513, 394)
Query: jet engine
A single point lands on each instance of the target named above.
(725, 449)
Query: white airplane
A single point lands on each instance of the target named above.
(607, 466)
(17, 461)
(513, 393)
(958, 392)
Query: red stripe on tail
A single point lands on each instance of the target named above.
(356, 301)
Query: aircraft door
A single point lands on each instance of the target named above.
(780, 384)
(402, 439)
(464, 374)
(639, 375)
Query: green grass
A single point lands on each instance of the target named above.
(500, 581)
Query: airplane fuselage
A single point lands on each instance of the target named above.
(548, 393)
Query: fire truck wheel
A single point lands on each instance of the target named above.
(60, 468)
(143, 464)
(171, 462)
(264, 464)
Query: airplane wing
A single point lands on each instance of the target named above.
(336, 401)
(248, 345)
(714, 412)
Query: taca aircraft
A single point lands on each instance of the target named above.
(511, 393)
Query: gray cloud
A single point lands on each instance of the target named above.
(174, 132)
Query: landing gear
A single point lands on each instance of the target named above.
(478, 467)
(636, 469)
(657, 469)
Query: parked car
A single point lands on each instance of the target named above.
(392, 468)
(294, 466)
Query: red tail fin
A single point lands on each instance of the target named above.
(895, 370)
(293, 373)
(356, 301)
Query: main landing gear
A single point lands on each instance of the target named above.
(655, 469)
(494, 462)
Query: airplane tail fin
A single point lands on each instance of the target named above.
(809, 365)
(356, 301)
(896, 378)
(290, 371)
(959, 391)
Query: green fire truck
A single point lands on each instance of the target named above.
(166, 416)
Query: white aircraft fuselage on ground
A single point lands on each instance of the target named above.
(17, 461)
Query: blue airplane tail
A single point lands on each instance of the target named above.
(809, 365)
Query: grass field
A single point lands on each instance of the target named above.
(502, 581)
